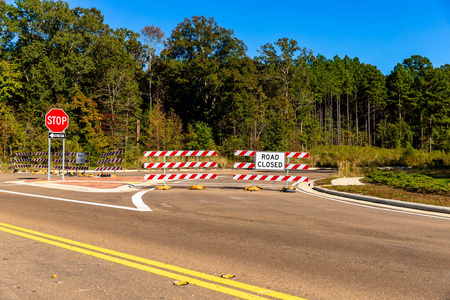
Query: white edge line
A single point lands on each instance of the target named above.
(372, 207)
(74, 201)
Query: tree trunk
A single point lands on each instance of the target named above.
(368, 122)
(331, 120)
(150, 78)
(431, 133)
(400, 115)
(356, 118)
(421, 130)
(374, 131)
(338, 119)
(348, 122)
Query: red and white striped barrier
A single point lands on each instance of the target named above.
(259, 159)
(176, 153)
(243, 165)
(39, 166)
(270, 177)
(288, 154)
(287, 167)
(65, 154)
(21, 160)
(108, 169)
(71, 168)
(181, 165)
(296, 167)
(40, 153)
(22, 166)
(244, 153)
(72, 161)
(112, 153)
(39, 159)
(110, 161)
(23, 154)
(180, 176)
(297, 155)
(181, 153)
(114, 160)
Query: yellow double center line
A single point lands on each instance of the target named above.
(151, 266)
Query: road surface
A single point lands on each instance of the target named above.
(276, 245)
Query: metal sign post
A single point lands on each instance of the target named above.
(63, 156)
(56, 121)
(49, 154)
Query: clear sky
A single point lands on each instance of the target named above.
(378, 32)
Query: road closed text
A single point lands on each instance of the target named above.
(270, 160)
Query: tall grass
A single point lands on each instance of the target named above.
(355, 161)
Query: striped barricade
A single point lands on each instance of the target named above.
(71, 168)
(107, 160)
(39, 166)
(108, 169)
(21, 160)
(180, 176)
(39, 160)
(40, 153)
(110, 161)
(22, 154)
(21, 166)
(270, 177)
(22, 157)
(287, 167)
(181, 165)
(115, 153)
(180, 153)
(69, 161)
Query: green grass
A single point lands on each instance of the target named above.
(433, 189)
(411, 182)
(382, 191)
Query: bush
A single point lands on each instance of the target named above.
(410, 182)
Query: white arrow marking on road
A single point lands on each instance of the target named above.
(139, 206)
(137, 201)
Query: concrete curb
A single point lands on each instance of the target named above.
(426, 207)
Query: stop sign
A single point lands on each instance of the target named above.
(56, 120)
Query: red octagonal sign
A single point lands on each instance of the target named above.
(56, 120)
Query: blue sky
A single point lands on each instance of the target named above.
(378, 32)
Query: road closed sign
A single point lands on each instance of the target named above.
(270, 161)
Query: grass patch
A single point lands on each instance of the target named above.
(413, 182)
(324, 181)
(387, 192)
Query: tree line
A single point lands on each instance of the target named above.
(197, 89)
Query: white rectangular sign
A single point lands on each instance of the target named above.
(270, 161)
(80, 158)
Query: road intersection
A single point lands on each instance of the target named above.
(303, 245)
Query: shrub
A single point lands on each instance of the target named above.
(410, 182)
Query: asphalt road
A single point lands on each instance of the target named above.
(292, 243)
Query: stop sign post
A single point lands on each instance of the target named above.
(56, 121)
